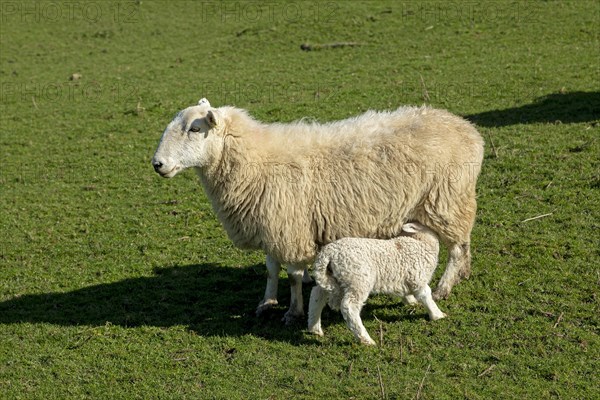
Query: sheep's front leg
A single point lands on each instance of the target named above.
(296, 311)
(270, 298)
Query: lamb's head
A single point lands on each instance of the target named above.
(194, 138)
(422, 233)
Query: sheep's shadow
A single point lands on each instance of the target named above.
(209, 299)
(571, 107)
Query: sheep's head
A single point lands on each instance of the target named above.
(193, 138)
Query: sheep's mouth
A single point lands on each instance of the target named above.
(169, 174)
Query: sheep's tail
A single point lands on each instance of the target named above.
(323, 273)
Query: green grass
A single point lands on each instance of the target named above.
(117, 284)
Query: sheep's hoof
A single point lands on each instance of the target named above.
(264, 306)
(291, 318)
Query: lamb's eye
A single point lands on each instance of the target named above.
(194, 128)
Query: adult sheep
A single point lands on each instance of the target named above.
(290, 188)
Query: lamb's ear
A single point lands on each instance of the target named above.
(411, 228)
(213, 118)
(203, 102)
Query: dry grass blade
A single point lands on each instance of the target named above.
(380, 331)
(425, 92)
(381, 387)
(420, 389)
(493, 146)
(537, 217)
(401, 350)
(487, 370)
(558, 320)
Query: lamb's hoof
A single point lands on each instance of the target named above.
(441, 294)
(291, 318)
(368, 341)
(264, 306)
(440, 316)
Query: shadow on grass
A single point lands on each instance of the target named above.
(209, 299)
(567, 108)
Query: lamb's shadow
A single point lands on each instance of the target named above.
(209, 299)
(567, 108)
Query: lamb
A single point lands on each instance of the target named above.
(349, 269)
(288, 189)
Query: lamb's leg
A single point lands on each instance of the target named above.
(296, 310)
(318, 299)
(270, 298)
(424, 297)
(350, 307)
(459, 265)
(409, 300)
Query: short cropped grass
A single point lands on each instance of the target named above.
(117, 284)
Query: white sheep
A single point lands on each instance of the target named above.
(290, 188)
(349, 269)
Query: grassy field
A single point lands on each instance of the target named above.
(117, 284)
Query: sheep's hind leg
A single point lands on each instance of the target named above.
(424, 297)
(296, 311)
(318, 299)
(270, 298)
(350, 307)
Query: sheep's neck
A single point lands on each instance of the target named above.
(233, 168)
(234, 187)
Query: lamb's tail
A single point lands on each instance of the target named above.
(322, 271)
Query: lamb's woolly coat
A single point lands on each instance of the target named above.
(397, 266)
(290, 188)
(349, 269)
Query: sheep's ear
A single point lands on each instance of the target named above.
(213, 118)
(203, 102)
(411, 228)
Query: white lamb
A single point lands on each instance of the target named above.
(289, 189)
(349, 269)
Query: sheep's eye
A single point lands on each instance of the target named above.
(194, 128)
